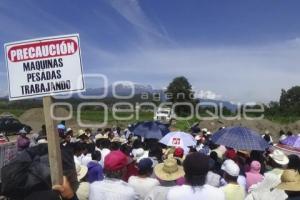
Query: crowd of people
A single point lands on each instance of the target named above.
(115, 164)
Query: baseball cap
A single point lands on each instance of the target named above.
(231, 168)
(115, 160)
(179, 152)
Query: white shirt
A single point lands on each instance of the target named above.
(241, 181)
(158, 193)
(111, 189)
(188, 192)
(86, 159)
(142, 185)
(104, 153)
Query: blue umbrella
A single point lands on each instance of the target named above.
(151, 129)
(240, 138)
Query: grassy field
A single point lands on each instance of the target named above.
(98, 116)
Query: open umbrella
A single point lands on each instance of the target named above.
(240, 138)
(178, 139)
(151, 129)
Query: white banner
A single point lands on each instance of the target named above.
(44, 67)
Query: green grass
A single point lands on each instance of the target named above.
(15, 112)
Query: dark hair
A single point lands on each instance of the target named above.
(294, 162)
(78, 148)
(91, 147)
(114, 174)
(125, 149)
(137, 144)
(145, 172)
(230, 178)
(114, 146)
(104, 143)
(196, 167)
(267, 137)
(96, 155)
(289, 133)
(156, 151)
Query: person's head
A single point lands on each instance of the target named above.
(294, 162)
(213, 155)
(115, 164)
(179, 152)
(231, 171)
(278, 159)
(96, 155)
(23, 132)
(289, 133)
(145, 167)
(281, 132)
(114, 146)
(290, 183)
(156, 151)
(168, 171)
(196, 167)
(44, 127)
(255, 166)
(125, 149)
(78, 149)
(63, 122)
(267, 138)
(137, 144)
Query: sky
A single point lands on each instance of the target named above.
(240, 51)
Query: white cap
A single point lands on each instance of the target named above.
(231, 168)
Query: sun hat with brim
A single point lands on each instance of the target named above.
(290, 180)
(168, 170)
(100, 136)
(80, 133)
(279, 157)
(81, 171)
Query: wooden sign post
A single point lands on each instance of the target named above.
(54, 151)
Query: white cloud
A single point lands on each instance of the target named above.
(207, 94)
(134, 14)
(240, 74)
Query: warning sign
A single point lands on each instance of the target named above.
(44, 66)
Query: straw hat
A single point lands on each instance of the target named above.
(80, 133)
(100, 136)
(81, 171)
(290, 180)
(279, 157)
(169, 170)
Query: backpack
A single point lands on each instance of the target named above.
(28, 172)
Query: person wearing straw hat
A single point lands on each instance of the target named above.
(290, 183)
(83, 189)
(167, 173)
(196, 166)
(277, 162)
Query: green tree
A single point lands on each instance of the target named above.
(290, 101)
(178, 91)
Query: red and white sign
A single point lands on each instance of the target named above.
(44, 66)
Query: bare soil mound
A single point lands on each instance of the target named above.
(35, 117)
